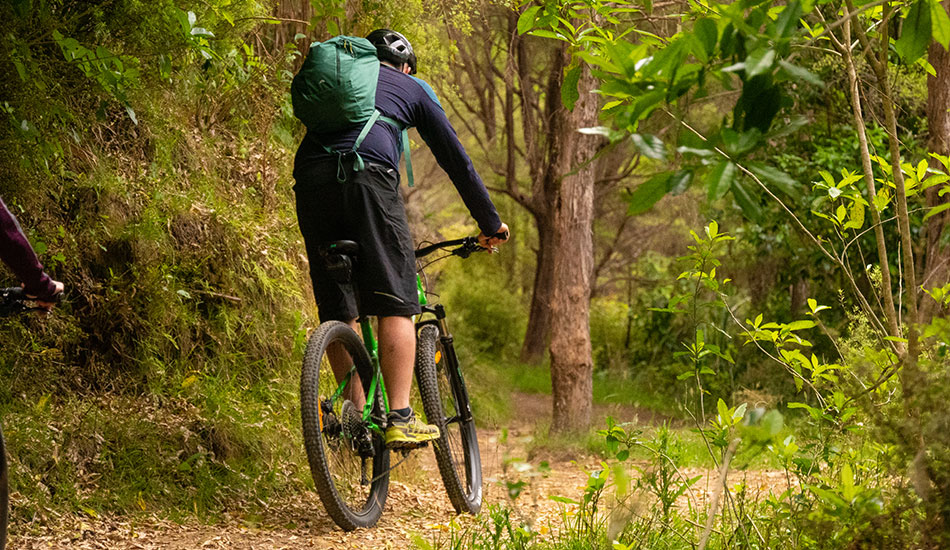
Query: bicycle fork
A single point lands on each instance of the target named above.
(451, 364)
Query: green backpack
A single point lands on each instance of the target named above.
(336, 89)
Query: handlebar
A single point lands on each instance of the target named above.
(466, 246)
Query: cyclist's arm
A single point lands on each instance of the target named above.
(437, 132)
(16, 252)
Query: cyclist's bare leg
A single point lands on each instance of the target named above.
(341, 362)
(397, 353)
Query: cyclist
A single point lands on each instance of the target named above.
(367, 208)
(16, 252)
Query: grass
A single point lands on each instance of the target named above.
(493, 382)
(608, 388)
(166, 383)
(214, 448)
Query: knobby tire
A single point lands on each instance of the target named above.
(336, 468)
(445, 402)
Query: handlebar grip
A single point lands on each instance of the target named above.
(503, 235)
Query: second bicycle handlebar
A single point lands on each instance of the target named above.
(14, 300)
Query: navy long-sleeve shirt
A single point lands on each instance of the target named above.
(16, 252)
(412, 102)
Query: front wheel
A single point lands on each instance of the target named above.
(348, 461)
(446, 404)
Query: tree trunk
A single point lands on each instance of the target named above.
(539, 317)
(936, 263)
(571, 360)
(936, 272)
(290, 13)
(543, 185)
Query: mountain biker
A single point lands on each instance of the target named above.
(16, 252)
(367, 208)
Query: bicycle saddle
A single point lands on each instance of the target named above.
(347, 248)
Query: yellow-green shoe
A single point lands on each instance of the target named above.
(409, 432)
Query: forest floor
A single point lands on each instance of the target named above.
(417, 507)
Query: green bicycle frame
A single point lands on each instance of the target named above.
(422, 292)
(372, 348)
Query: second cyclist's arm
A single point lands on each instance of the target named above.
(16, 252)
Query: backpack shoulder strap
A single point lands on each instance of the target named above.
(358, 163)
(405, 152)
(405, 144)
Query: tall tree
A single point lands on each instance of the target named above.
(507, 80)
(936, 271)
(573, 204)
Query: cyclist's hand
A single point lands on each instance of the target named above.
(499, 237)
(49, 301)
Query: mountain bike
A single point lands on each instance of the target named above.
(346, 450)
(12, 302)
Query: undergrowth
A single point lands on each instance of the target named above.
(822, 472)
(153, 177)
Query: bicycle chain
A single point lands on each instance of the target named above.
(392, 466)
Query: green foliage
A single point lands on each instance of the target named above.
(424, 27)
(731, 45)
(853, 381)
(495, 529)
(916, 32)
(176, 457)
(649, 192)
(746, 46)
(147, 146)
(699, 300)
(837, 485)
(483, 316)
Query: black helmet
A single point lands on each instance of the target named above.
(393, 47)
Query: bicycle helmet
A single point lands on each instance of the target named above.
(393, 47)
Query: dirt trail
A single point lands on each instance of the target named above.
(417, 506)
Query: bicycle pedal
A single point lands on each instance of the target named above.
(405, 446)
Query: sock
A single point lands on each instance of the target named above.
(401, 413)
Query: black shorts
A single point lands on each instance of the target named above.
(366, 208)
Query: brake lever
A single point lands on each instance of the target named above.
(468, 247)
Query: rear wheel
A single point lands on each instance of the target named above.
(348, 461)
(446, 404)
